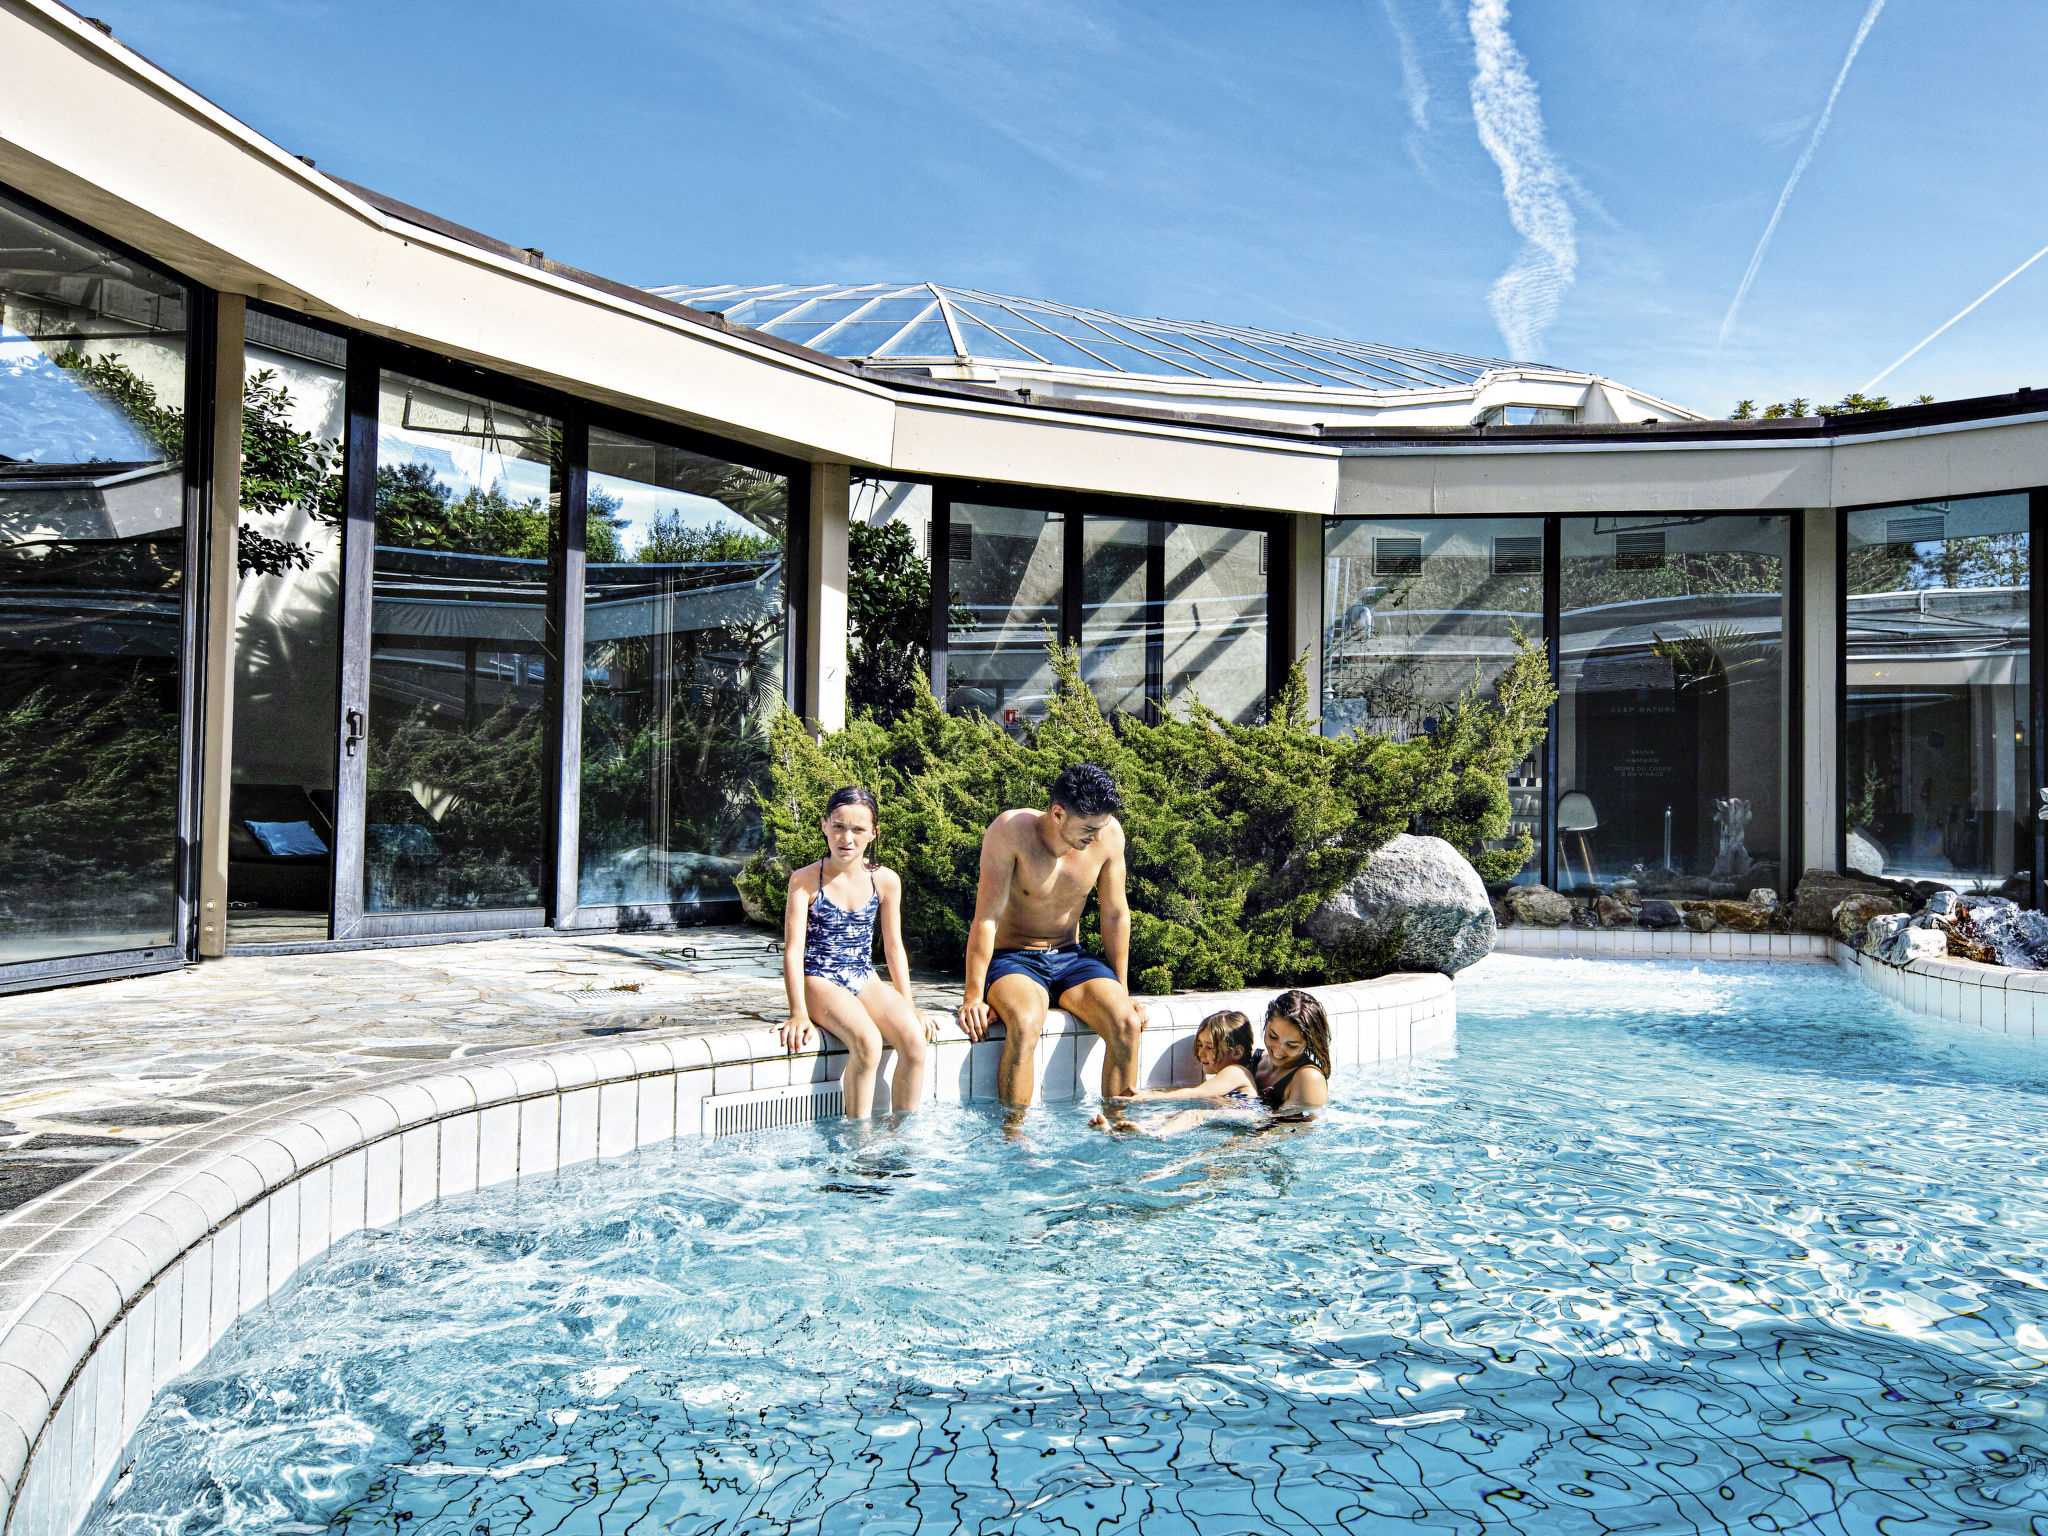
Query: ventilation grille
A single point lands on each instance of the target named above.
(1518, 555)
(1639, 551)
(765, 1109)
(1397, 557)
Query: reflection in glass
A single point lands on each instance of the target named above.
(92, 424)
(1173, 611)
(1669, 717)
(889, 560)
(1004, 564)
(682, 669)
(466, 512)
(1936, 676)
(287, 632)
(1418, 611)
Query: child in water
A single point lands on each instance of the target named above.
(828, 959)
(1223, 1050)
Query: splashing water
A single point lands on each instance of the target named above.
(1662, 1248)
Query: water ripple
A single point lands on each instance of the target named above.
(1661, 1248)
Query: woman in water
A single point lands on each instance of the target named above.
(1292, 1074)
(828, 959)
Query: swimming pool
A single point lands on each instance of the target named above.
(1661, 1248)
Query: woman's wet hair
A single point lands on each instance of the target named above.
(1305, 1014)
(1087, 791)
(853, 794)
(1228, 1035)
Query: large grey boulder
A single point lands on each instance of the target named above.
(1425, 887)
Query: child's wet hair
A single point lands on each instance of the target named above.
(1228, 1035)
(1305, 1014)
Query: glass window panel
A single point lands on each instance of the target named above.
(931, 339)
(1670, 715)
(1214, 619)
(467, 502)
(287, 628)
(683, 656)
(92, 551)
(1123, 562)
(1006, 573)
(1416, 612)
(1935, 749)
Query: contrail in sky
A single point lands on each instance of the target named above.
(1509, 117)
(2015, 272)
(1798, 170)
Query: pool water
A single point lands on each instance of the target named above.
(1661, 1248)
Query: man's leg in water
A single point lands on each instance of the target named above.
(1105, 1007)
(1022, 1005)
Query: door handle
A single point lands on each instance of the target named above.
(354, 721)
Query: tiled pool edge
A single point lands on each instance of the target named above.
(1995, 997)
(1663, 944)
(112, 1285)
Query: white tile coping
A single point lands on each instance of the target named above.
(1994, 997)
(115, 1283)
(1663, 943)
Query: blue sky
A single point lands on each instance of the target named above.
(1338, 168)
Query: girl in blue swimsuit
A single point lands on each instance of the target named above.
(828, 960)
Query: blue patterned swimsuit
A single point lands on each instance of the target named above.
(840, 945)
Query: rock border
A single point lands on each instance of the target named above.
(116, 1283)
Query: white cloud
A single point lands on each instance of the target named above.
(1509, 116)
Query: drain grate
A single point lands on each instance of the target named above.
(764, 1109)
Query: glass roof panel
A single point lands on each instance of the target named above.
(759, 311)
(929, 338)
(980, 341)
(1131, 360)
(803, 331)
(898, 309)
(857, 338)
(834, 309)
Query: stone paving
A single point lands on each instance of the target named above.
(92, 1072)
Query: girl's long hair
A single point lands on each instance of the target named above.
(853, 794)
(1306, 1015)
(1229, 1034)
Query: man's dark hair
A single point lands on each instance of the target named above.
(1087, 791)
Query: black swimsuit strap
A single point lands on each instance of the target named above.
(1276, 1095)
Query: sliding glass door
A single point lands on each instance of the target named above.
(93, 581)
(682, 672)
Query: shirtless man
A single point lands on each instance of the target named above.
(1024, 953)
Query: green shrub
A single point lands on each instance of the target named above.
(1236, 833)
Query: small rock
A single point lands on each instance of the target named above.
(1910, 944)
(1658, 914)
(1614, 913)
(1503, 915)
(2019, 938)
(1697, 916)
(1880, 929)
(1763, 896)
(1741, 915)
(1820, 891)
(1853, 914)
(1537, 905)
(1943, 904)
(1583, 915)
(1863, 855)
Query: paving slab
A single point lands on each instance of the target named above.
(93, 1072)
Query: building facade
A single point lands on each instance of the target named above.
(365, 580)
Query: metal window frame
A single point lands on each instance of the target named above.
(196, 476)
(2037, 685)
(1073, 507)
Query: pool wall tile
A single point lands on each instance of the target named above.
(282, 1258)
(540, 1137)
(225, 1304)
(731, 1077)
(618, 1117)
(419, 1167)
(984, 1059)
(497, 1144)
(316, 1212)
(655, 1115)
(1089, 1055)
(380, 1183)
(195, 1320)
(253, 1225)
(950, 1075)
(458, 1155)
(579, 1126)
(775, 1071)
